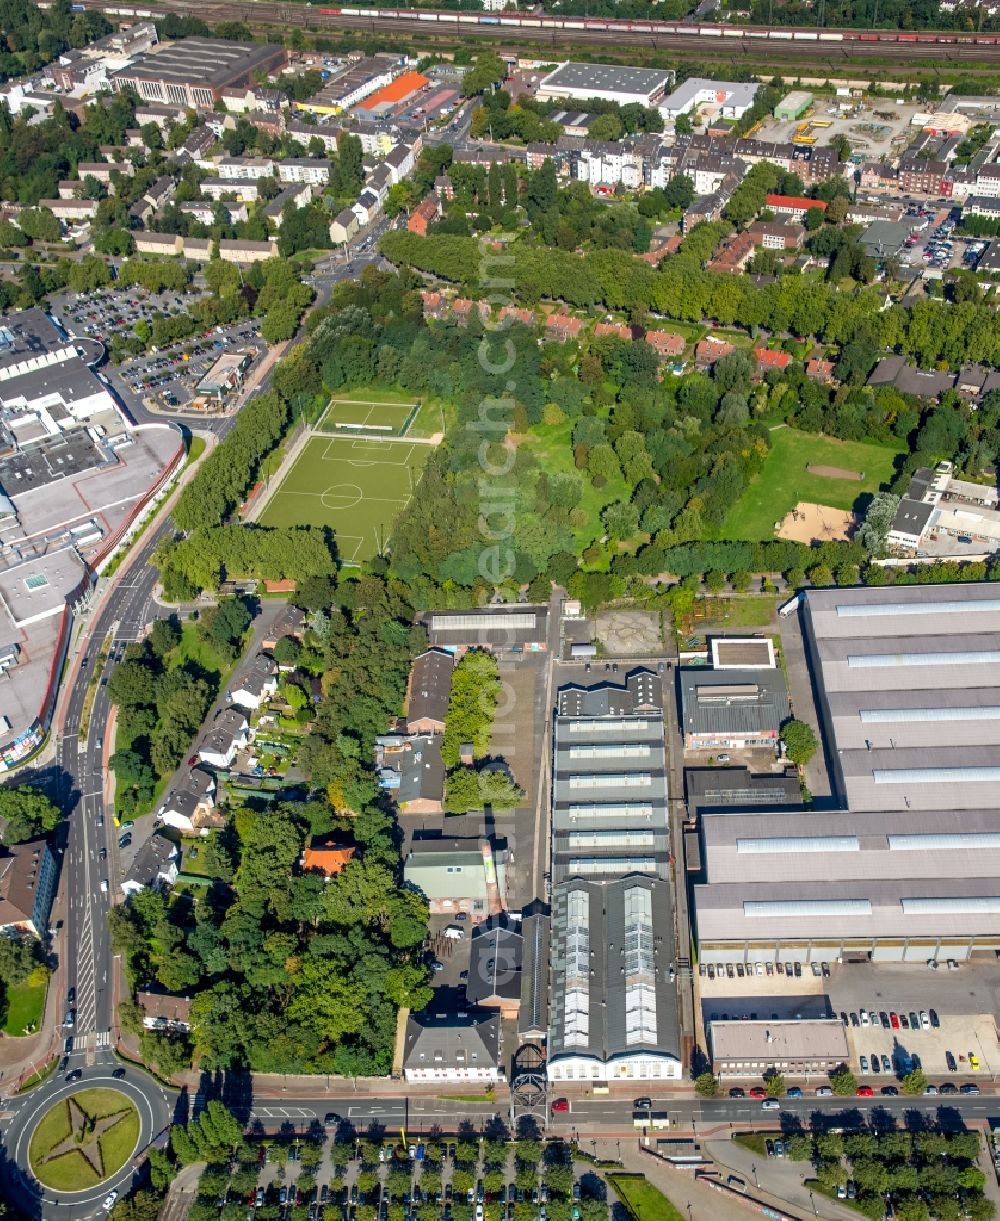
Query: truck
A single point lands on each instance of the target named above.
(790, 606)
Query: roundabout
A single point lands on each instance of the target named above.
(69, 1143)
(82, 1140)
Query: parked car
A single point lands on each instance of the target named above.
(864, 1091)
(560, 1106)
(770, 1104)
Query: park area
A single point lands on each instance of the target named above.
(84, 1139)
(26, 1004)
(357, 486)
(803, 475)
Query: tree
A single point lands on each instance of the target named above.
(706, 1085)
(26, 813)
(843, 1082)
(468, 788)
(800, 741)
(914, 1082)
(774, 1083)
(878, 521)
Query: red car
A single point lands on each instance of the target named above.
(560, 1105)
(864, 1091)
(894, 1020)
(758, 1091)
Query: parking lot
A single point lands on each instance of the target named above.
(106, 312)
(167, 379)
(964, 1045)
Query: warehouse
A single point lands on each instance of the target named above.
(793, 106)
(905, 867)
(732, 709)
(613, 1008)
(608, 82)
(909, 687)
(729, 99)
(195, 71)
(609, 785)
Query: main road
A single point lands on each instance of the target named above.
(89, 841)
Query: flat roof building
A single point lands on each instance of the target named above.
(732, 98)
(194, 72)
(804, 1047)
(905, 867)
(498, 628)
(609, 82)
(732, 708)
(451, 875)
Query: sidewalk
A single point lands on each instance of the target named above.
(781, 1180)
(693, 1198)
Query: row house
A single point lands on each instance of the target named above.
(270, 122)
(617, 330)
(102, 170)
(924, 177)
(606, 163)
(709, 207)
(400, 162)
(734, 255)
(243, 188)
(304, 169)
(68, 210)
(298, 194)
(666, 344)
(203, 211)
(793, 206)
(878, 176)
(304, 132)
(245, 167)
(564, 326)
(424, 214)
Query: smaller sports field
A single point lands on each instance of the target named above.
(358, 415)
(355, 485)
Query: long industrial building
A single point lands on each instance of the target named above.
(906, 865)
(613, 1008)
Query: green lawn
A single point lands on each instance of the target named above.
(355, 485)
(755, 1141)
(194, 649)
(741, 610)
(26, 1004)
(552, 445)
(71, 1171)
(784, 480)
(641, 1200)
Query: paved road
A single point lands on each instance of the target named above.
(89, 844)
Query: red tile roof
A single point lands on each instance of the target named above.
(767, 359)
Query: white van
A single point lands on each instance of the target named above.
(454, 933)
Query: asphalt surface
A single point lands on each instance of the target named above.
(89, 849)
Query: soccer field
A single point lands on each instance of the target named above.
(358, 415)
(354, 485)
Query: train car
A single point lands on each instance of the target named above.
(574, 25)
(805, 36)
(780, 34)
(713, 31)
(77, 8)
(831, 38)
(732, 31)
(467, 19)
(641, 29)
(532, 21)
(489, 20)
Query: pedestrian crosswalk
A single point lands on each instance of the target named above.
(87, 1042)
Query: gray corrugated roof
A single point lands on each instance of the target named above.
(760, 707)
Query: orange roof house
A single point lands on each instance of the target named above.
(329, 858)
(397, 91)
(666, 343)
(766, 359)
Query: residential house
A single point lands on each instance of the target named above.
(229, 734)
(820, 371)
(564, 326)
(164, 1010)
(616, 329)
(239, 188)
(400, 162)
(243, 251)
(734, 255)
(424, 214)
(461, 1047)
(326, 856)
(767, 358)
(429, 691)
(894, 371)
(666, 344)
(158, 243)
(367, 207)
(343, 226)
(28, 875)
(411, 771)
(68, 210)
(291, 622)
(188, 807)
(159, 192)
(304, 169)
(256, 684)
(708, 351)
(433, 304)
(154, 866)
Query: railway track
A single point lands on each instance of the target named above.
(285, 15)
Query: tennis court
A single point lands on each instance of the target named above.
(359, 415)
(355, 485)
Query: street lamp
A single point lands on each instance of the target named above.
(753, 1171)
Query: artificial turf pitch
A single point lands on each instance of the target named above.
(355, 485)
